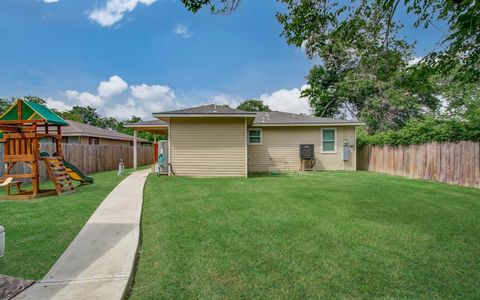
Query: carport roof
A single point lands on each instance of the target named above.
(151, 123)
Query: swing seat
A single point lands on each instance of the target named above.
(10, 181)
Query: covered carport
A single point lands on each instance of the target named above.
(157, 127)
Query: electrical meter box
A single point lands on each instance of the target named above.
(346, 151)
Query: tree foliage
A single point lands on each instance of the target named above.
(216, 6)
(460, 45)
(364, 71)
(253, 105)
(427, 130)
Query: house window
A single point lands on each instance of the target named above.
(93, 141)
(65, 139)
(254, 136)
(329, 137)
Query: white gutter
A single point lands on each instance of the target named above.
(146, 126)
(214, 115)
(306, 124)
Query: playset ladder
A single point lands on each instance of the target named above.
(57, 171)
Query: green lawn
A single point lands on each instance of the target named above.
(321, 235)
(39, 230)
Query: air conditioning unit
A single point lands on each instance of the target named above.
(307, 151)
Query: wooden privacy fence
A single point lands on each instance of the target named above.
(90, 158)
(454, 163)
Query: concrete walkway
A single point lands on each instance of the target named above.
(99, 263)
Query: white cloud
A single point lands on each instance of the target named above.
(149, 92)
(85, 98)
(415, 60)
(146, 99)
(115, 85)
(128, 109)
(57, 104)
(230, 100)
(71, 94)
(114, 10)
(182, 30)
(50, 1)
(287, 101)
(142, 100)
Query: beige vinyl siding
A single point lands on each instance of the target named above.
(208, 147)
(280, 149)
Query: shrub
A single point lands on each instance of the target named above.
(426, 130)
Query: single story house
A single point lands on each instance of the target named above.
(215, 141)
(80, 133)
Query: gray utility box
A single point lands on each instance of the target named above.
(307, 151)
(346, 152)
(2, 241)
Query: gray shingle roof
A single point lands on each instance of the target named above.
(210, 109)
(277, 117)
(265, 118)
(80, 129)
(147, 123)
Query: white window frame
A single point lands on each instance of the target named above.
(261, 136)
(335, 141)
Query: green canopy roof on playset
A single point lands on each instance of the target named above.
(33, 111)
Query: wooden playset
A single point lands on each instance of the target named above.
(23, 125)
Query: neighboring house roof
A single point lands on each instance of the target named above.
(206, 110)
(80, 129)
(277, 118)
(32, 111)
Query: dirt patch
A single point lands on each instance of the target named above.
(11, 286)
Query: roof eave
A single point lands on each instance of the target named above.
(209, 115)
(144, 126)
(103, 137)
(305, 124)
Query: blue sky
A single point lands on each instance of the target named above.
(138, 56)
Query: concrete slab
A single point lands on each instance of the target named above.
(99, 262)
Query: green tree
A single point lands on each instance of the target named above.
(216, 6)
(460, 45)
(460, 99)
(4, 104)
(87, 115)
(253, 105)
(361, 74)
(35, 99)
(145, 135)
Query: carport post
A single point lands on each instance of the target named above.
(134, 149)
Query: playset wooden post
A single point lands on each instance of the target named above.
(21, 138)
